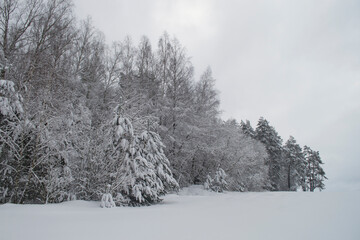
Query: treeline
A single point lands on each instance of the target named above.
(77, 115)
(290, 166)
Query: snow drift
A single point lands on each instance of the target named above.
(192, 214)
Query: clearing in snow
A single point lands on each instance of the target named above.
(192, 214)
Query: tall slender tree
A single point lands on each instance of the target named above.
(294, 164)
(273, 143)
(314, 173)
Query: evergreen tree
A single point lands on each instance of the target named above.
(247, 128)
(141, 167)
(314, 173)
(273, 143)
(294, 164)
(152, 147)
(138, 181)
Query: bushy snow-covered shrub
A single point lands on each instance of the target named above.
(10, 100)
(218, 183)
(208, 182)
(107, 200)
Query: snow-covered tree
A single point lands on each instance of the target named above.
(202, 131)
(242, 158)
(175, 112)
(10, 101)
(218, 183)
(314, 173)
(294, 164)
(139, 182)
(208, 182)
(273, 143)
(16, 19)
(11, 122)
(152, 148)
(247, 128)
(139, 161)
(57, 142)
(206, 97)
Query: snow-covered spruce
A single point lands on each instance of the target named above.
(153, 151)
(273, 143)
(294, 165)
(218, 183)
(139, 182)
(144, 173)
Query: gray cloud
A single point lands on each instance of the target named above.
(297, 63)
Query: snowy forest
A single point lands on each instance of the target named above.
(81, 119)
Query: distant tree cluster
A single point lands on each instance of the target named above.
(290, 166)
(80, 119)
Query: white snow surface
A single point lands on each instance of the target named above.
(192, 214)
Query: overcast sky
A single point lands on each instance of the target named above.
(296, 63)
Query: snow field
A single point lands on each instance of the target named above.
(192, 214)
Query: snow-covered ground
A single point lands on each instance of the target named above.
(192, 214)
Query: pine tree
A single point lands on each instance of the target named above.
(294, 164)
(247, 128)
(314, 173)
(273, 143)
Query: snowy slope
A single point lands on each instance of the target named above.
(193, 214)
